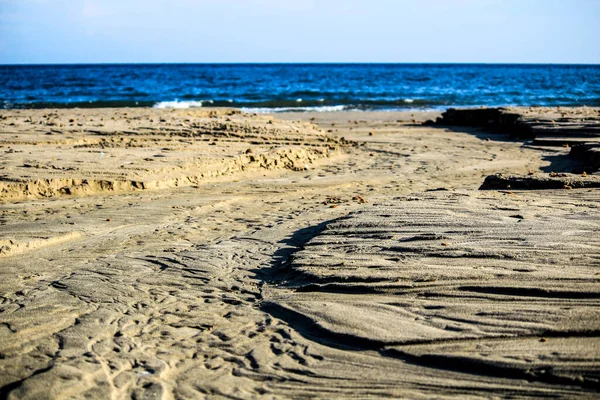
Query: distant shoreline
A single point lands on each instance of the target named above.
(291, 110)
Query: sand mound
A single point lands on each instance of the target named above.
(504, 285)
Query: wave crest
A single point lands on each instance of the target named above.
(179, 104)
(267, 110)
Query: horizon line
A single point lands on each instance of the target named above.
(294, 63)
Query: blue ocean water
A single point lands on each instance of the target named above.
(282, 87)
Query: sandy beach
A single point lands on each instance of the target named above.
(209, 253)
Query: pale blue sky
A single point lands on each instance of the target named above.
(101, 31)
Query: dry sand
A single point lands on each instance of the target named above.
(200, 253)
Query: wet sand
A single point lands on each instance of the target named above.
(188, 253)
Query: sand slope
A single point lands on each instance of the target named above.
(497, 284)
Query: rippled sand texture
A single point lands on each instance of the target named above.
(500, 285)
(364, 267)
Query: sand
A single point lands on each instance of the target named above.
(494, 284)
(49, 154)
(344, 255)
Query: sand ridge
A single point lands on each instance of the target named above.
(53, 153)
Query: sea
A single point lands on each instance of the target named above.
(299, 87)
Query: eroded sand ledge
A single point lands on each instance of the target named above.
(52, 153)
(578, 128)
(351, 278)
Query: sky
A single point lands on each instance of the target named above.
(157, 31)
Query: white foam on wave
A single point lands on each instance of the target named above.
(408, 101)
(180, 104)
(265, 110)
